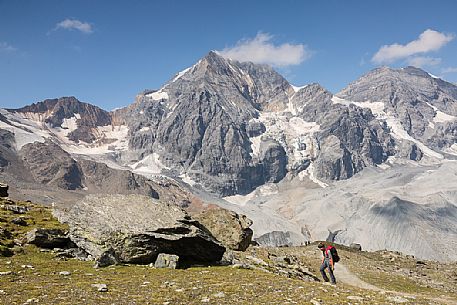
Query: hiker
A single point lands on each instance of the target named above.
(327, 262)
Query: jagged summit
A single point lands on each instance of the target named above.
(422, 104)
(388, 80)
(68, 113)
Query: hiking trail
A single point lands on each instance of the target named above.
(345, 276)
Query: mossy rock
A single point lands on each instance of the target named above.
(5, 251)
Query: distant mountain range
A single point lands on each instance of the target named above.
(302, 162)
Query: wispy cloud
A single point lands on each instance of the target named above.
(423, 61)
(449, 70)
(6, 47)
(261, 50)
(428, 41)
(74, 24)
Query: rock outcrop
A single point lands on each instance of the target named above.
(3, 190)
(135, 229)
(228, 227)
(49, 164)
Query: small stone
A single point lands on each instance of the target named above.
(354, 298)
(101, 287)
(241, 266)
(29, 301)
(167, 261)
(27, 266)
(356, 246)
(397, 299)
(205, 300)
(257, 260)
(19, 221)
(219, 295)
(5, 273)
(65, 273)
(314, 302)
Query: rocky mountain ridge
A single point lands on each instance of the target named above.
(215, 124)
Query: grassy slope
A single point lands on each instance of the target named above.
(213, 285)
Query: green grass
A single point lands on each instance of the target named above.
(134, 284)
(37, 217)
(137, 284)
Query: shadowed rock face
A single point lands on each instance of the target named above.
(7, 152)
(135, 229)
(199, 123)
(49, 164)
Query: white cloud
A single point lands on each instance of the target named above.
(428, 41)
(422, 61)
(261, 50)
(449, 70)
(6, 47)
(73, 24)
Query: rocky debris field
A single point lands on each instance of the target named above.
(288, 275)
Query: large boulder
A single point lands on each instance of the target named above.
(230, 228)
(135, 229)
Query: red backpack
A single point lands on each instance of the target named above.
(335, 256)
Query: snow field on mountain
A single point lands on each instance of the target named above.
(293, 133)
(29, 128)
(441, 117)
(25, 131)
(158, 95)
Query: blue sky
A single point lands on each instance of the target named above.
(105, 52)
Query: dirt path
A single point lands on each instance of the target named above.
(344, 275)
